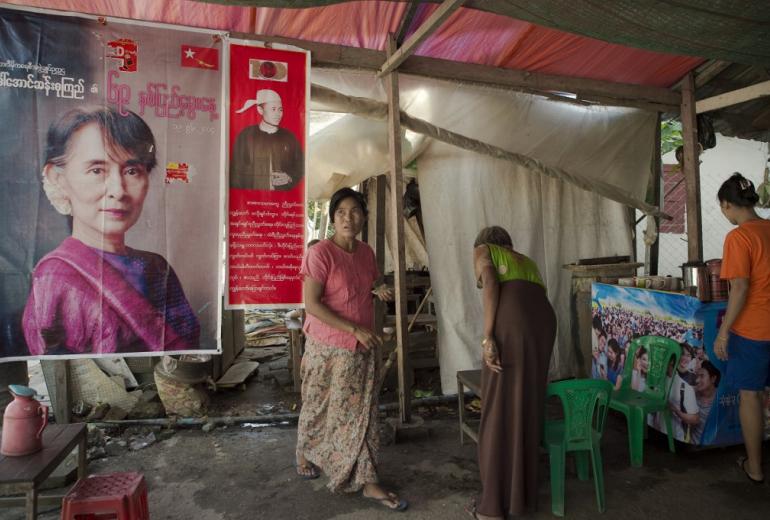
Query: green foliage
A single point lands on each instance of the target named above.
(670, 135)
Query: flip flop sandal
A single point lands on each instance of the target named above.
(742, 464)
(315, 472)
(402, 505)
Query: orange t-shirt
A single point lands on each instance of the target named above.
(747, 255)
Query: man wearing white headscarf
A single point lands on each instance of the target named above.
(266, 156)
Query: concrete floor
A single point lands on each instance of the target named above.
(246, 472)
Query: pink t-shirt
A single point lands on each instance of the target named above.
(348, 280)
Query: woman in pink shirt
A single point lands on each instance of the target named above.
(337, 431)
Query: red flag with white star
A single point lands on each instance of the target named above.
(200, 57)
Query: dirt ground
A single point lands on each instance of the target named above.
(246, 472)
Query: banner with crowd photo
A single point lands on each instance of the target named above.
(269, 100)
(703, 406)
(111, 191)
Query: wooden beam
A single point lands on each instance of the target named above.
(652, 259)
(711, 70)
(61, 381)
(510, 78)
(397, 249)
(704, 73)
(433, 22)
(605, 92)
(691, 170)
(324, 225)
(733, 98)
(376, 239)
(406, 21)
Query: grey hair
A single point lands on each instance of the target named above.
(493, 235)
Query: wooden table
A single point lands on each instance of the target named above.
(472, 380)
(25, 474)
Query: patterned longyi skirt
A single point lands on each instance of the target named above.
(338, 430)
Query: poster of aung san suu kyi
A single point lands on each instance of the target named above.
(111, 191)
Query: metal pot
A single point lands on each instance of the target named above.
(696, 280)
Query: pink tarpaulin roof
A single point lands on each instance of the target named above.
(469, 35)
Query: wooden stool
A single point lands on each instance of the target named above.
(472, 380)
(123, 495)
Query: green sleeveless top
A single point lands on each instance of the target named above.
(510, 267)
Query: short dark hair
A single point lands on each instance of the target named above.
(493, 235)
(739, 191)
(128, 132)
(312, 242)
(709, 367)
(346, 193)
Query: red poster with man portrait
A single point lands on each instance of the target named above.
(269, 92)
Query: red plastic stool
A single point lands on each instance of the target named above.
(115, 495)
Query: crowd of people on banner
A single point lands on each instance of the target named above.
(695, 379)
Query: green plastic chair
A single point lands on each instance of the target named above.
(585, 404)
(661, 352)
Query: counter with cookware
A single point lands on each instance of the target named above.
(704, 409)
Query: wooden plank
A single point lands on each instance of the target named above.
(296, 358)
(415, 319)
(471, 379)
(704, 73)
(406, 21)
(653, 257)
(377, 241)
(620, 94)
(434, 21)
(691, 170)
(734, 97)
(397, 225)
(44, 500)
(708, 71)
(237, 374)
(324, 226)
(62, 405)
(32, 504)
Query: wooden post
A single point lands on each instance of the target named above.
(397, 225)
(657, 193)
(376, 240)
(691, 169)
(62, 383)
(324, 220)
(295, 344)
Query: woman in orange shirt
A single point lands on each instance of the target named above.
(744, 336)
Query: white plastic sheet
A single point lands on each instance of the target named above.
(462, 191)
